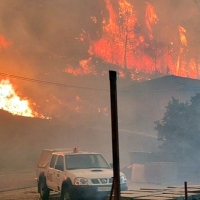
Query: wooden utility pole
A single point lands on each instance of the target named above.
(186, 193)
(115, 138)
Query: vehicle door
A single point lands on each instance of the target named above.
(59, 168)
(50, 174)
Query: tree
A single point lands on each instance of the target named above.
(179, 129)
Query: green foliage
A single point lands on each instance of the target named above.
(179, 129)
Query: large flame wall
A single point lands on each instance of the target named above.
(68, 41)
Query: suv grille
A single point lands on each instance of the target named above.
(95, 181)
(102, 181)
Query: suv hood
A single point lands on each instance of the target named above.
(94, 173)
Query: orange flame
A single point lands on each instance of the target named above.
(151, 18)
(85, 68)
(3, 42)
(11, 102)
(117, 40)
(182, 33)
(124, 45)
(120, 45)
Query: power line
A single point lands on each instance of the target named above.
(52, 83)
(48, 82)
(176, 88)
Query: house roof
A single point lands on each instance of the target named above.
(170, 82)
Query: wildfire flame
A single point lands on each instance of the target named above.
(85, 68)
(3, 42)
(182, 33)
(11, 102)
(125, 44)
(119, 44)
(151, 18)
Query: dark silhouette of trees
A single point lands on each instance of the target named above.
(179, 129)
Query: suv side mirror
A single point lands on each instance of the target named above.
(59, 167)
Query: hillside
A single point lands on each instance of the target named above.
(22, 138)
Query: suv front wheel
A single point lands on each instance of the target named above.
(44, 190)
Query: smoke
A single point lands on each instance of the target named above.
(49, 28)
(48, 37)
(45, 38)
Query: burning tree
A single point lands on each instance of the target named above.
(179, 129)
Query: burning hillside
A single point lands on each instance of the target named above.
(73, 42)
(141, 47)
(11, 102)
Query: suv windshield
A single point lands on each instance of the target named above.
(85, 161)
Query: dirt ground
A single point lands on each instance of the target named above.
(24, 194)
(20, 194)
(22, 186)
(31, 193)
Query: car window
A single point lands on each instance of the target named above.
(101, 162)
(53, 160)
(60, 160)
(60, 163)
(85, 161)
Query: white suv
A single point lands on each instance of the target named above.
(75, 174)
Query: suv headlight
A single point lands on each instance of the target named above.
(123, 179)
(80, 181)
